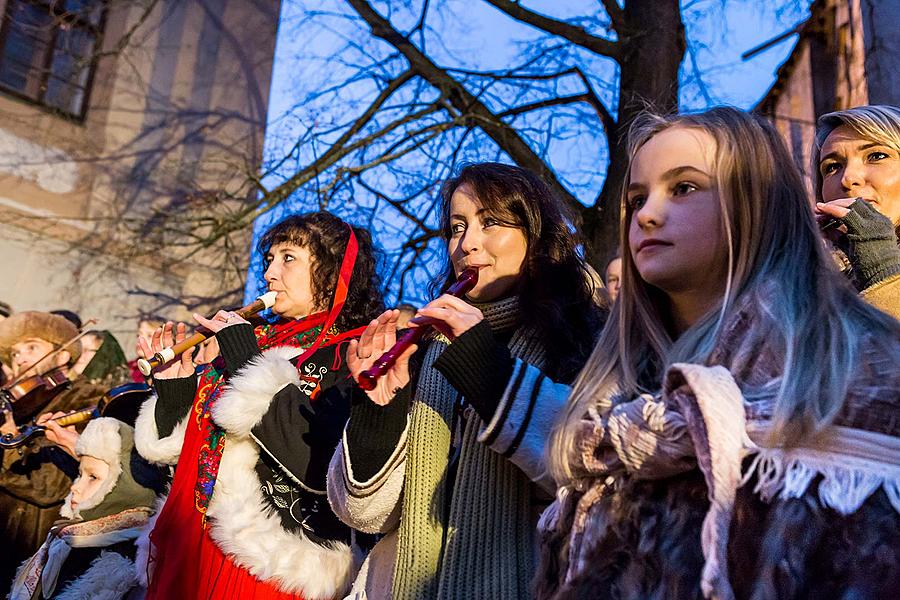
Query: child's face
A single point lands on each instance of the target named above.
(675, 234)
(92, 472)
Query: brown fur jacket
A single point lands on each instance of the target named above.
(657, 509)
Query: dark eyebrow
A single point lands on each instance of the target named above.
(672, 173)
(835, 155)
(478, 213)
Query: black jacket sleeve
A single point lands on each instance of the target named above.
(174, 398)
(238, 346)
(374, 431)
(301, 432)
(479, 367)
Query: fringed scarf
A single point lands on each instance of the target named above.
(483, 546)
(701, 420)
(43, 568)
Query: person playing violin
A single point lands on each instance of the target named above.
(35, 478)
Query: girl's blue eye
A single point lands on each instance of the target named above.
(876, 156)
(489, 222)
(457, 228)
(684, 188)
(636, 202)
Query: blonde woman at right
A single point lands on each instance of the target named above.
(856, 161)
(735, 432)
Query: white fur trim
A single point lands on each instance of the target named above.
(246, 528)
(142, 561)
(109, 577)
(162, 451)
(66, 511)
(249, 393)
(101, 439)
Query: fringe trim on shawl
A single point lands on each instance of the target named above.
(847, 482)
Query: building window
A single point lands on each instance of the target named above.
(47, 50)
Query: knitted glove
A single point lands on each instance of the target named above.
(874, 253)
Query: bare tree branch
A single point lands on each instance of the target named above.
(504, 135)
(573, 33)
(616, 15)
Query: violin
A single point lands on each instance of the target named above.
(27, 396)
(122, 403)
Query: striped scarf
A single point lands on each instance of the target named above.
(484, 546)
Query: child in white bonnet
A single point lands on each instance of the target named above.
(90, 554)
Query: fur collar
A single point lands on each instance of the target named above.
(289, 560)
(110, 577)
(250, 392)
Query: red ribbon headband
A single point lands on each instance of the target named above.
(340, 294)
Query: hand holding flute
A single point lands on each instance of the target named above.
(169, 341)
(379, 360)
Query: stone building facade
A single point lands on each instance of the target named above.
(848, 54)
(118, 119)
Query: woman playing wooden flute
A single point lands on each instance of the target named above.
(434, 457)
(247, 515)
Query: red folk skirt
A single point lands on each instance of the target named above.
(185, 562)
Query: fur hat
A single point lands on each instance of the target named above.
(111, 441)
(33, 324)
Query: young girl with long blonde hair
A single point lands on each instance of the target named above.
(736, 353)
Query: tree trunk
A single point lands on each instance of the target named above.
(649, 66)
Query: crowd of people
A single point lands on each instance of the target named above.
(718, 420)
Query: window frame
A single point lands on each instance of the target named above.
(44, 73)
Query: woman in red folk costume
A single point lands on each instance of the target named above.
(247, 515)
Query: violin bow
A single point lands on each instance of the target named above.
(81, 333)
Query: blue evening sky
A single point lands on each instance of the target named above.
(472, 34)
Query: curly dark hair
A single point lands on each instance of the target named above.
(326, 236)
(555, 289)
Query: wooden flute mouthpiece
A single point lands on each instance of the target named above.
(146, 365)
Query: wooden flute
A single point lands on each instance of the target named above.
(146, 365)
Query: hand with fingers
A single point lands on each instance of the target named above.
(448, 314)
(866, 235)
(221, 320)
(7, 424)
(64, 437)
(164, 337)
(379, 337)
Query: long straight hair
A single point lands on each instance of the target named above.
(777, 264)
